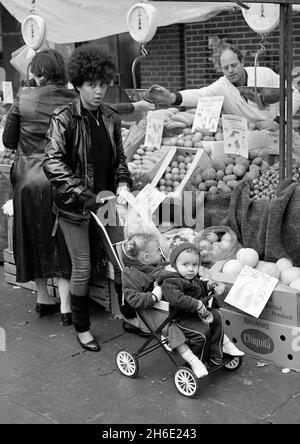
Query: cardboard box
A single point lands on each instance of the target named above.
(201, 158)
(264, 340)
(283, 306)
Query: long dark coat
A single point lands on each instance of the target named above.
(36, 252)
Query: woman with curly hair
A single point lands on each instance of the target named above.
(84, 156)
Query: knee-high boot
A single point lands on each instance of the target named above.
(80, 313)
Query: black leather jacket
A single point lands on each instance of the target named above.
(66, 162)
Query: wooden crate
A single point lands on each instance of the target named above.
(10, 275)
(100, 288)
(201, 157)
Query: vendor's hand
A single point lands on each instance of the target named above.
(269, 125)
(157, 292)
(160, 95)
(143, 106)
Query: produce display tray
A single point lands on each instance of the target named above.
(200, 157)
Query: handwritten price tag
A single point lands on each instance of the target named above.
(154, 131)
(251, 291)
(235, 130)
(208, 113)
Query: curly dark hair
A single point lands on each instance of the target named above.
(49, 64)
(90, 62)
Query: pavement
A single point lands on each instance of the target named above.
(46, 378)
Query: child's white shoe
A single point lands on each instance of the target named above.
(198, 368)
(230, 349)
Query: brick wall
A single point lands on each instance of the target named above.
(165, 63)
(180, 56)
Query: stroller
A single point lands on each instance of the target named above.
(156, 319)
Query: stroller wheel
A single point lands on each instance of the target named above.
(234, 364)
(127, 364)
(186, 382)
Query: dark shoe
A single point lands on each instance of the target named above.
(45, 309)
(66, 319)
(92, 346)
(137, 331)
(216, 361)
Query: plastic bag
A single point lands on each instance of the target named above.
(217, 243)
(136, 222)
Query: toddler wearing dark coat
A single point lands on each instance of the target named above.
(189, 295)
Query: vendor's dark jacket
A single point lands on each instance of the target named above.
(67, 152)
(138, 282)
(182, 294)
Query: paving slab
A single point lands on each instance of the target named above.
(46, 377)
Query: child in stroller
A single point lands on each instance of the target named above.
(189, 295)
(143, 262)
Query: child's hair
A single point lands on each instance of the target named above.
(138, 243)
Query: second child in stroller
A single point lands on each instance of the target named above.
(182, 287)
(142, 259)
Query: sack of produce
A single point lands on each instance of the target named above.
(217, 243)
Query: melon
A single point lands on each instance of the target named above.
(268, 268)
(232, 267)
(248, 256)
(284, 263)
(289, 275)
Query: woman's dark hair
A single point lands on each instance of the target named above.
(90, 63)
(233, 49)
(51, 65)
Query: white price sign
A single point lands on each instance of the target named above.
(154, 132)
(251, 291)
(208, 113)
(235, 131)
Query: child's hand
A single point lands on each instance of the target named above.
(204, 314)
(157, 292)
(217, 287)
(208, 319)
(220, 289)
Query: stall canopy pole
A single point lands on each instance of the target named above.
(289, 67)
(282, 72)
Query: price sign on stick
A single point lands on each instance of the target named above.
(7, 92)
(235, 131)
(208, 113)
(251, 291)
(154, 132)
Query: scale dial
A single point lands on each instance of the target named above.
(262, 17)
(142, 22)
(33, 31)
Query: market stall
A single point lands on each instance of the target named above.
(237, 185)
